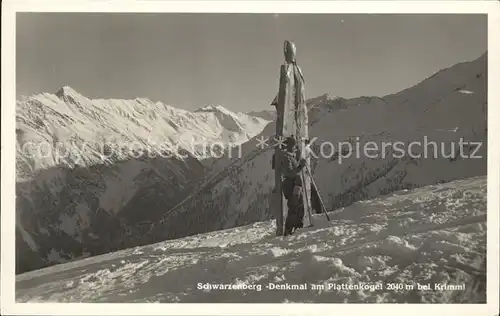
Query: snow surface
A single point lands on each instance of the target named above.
(430, 235)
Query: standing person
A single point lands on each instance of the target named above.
(292, 185)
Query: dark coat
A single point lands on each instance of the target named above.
(290, 169)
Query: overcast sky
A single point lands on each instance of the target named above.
(191, 60)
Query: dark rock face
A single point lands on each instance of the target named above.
(97, 209)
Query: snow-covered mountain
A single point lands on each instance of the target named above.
(87, 169)
(431, 241)
(434, 111)
(70, 120)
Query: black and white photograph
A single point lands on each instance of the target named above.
(169, 157)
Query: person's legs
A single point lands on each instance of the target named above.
(300, 213)
(291, 217)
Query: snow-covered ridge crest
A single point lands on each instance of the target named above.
(67, 117)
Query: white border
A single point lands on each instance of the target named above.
(9, 7)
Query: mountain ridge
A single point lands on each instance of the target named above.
(68, 113)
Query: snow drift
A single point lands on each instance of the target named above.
(425, 245)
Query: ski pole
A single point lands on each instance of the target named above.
(307, 199)
(319, 195)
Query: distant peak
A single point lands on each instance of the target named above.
(329, 96)
(69, 95)
(213, 108)
(484, 56)
(66, 91)
(143, 100)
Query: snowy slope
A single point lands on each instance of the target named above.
(432, 236)
(88, 169)
(238, 193)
